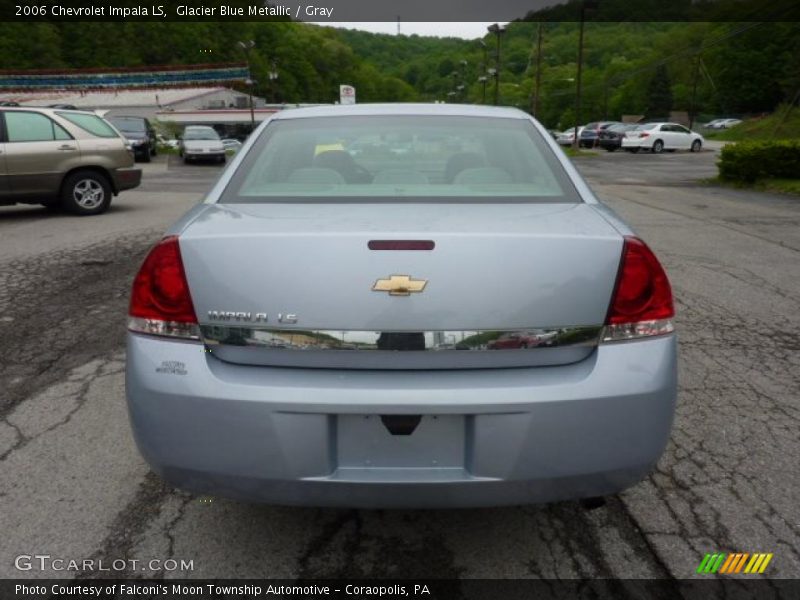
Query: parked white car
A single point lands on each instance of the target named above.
(726, 123)
(567, 137)
(201, 143)
(657, 137)
(231, 144)
(722, 123)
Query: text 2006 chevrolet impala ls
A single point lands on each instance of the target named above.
(331, 326)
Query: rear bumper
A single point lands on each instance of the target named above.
(314, 436)
(203, 155)
(638, 143)
(126, 179)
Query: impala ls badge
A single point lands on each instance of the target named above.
(249, 317)
(400, 285)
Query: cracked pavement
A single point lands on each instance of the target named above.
(72, 484)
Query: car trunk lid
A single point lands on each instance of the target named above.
(270, 279)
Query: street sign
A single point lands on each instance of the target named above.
(347, 94)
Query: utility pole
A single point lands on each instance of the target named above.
(482, 79)
(246, 48)
(535, 105)
(497, 30)
(273, 78)
(577, 140)
(585, 4)
(692, 104)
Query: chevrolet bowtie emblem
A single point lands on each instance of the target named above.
(400, 285)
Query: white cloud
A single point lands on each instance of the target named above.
(465, 30)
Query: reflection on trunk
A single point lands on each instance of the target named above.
(400, 341)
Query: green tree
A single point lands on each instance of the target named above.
(659, 93)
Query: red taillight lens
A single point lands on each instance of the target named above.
(160, 300)
(644, 134)
(642, 302)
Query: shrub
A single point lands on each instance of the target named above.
(752, 160)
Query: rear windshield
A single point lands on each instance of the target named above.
(205, 133)
(90, 123)
(403, 158)
(129, 124)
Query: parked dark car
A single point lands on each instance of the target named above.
(140, 133)
(591, 132)
(610, 138)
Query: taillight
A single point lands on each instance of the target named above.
(644, 134)
(160, 299)
(642, 302)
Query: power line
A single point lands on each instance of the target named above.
(663, 61)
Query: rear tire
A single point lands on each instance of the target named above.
(658, 147)
(697, 145)
(146, 155)
(86, 193)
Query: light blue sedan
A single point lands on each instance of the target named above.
(458, 324)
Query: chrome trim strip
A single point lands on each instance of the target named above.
(331, 339)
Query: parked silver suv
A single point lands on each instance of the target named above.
(62, 159)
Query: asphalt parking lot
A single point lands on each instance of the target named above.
(72, 484)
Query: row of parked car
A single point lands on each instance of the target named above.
(63, 159)
(202, 143)
(198, 142)
(76, 160)
(654, 137)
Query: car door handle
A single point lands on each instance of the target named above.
(67, 147)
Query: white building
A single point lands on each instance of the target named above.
(140, 102)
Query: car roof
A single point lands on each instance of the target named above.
(48, 110)
(654, 123)
(400, 109)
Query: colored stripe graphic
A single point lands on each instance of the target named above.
(727, 565)
(718, 563)
(734, 563)
(763, 565)
(711, 563)
(703, 563)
